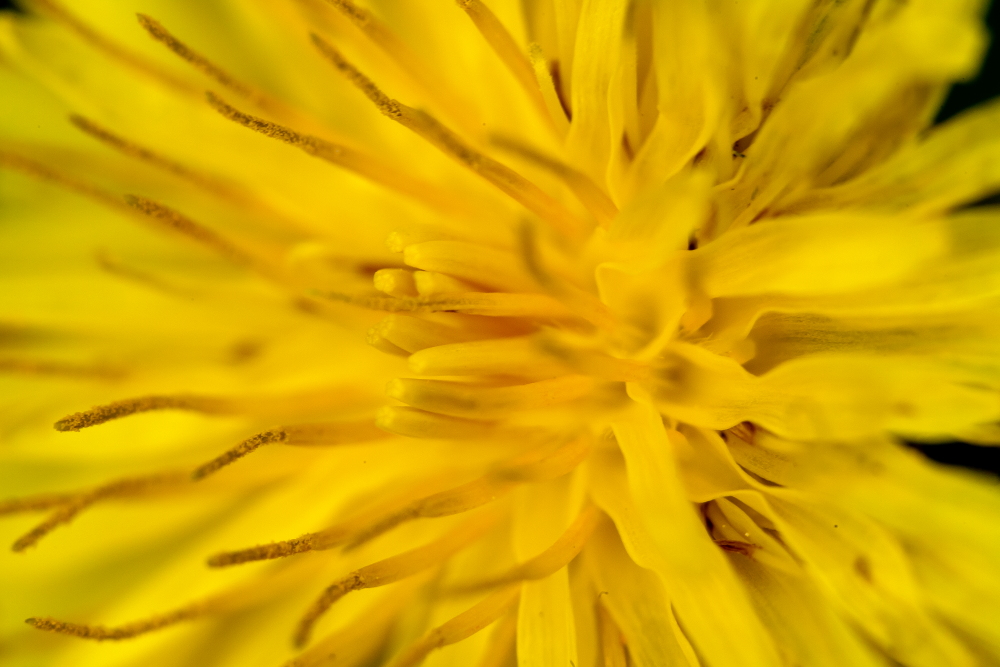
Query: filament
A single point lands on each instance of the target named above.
(366, 166)
(502, 644)
(507, 180)
(504, 46)
(126, 631)
(179, 223)
(73, 504)
(553, 559)
(583, 187)
(460, 399)
(112, 48)
(105, 413)
(492, 304)
(44, 367)
(393, 569)
(207, 67)
(406, 60)
(461, 627)
(34, 503)
(333, 433)
(44, 172)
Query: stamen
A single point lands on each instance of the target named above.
(104, 413)
(587, 192)
(174, 220)
(461, 627)
(144, 154)
(414, 423)
(121, 270)
(42, 367)
(395, 282)
(476, 263)
(366, 166)
(76, 503)
(583, 303)
(507, 180)
(519, 356)
(551, 94)
(210, 69)
(535, 466)
(486, 402)
(34, 503)
(492, 304)
(430, 283)
(557, 556)
(238, 452)
(394, 569)
(112, 48)
(309, 435)
(411, 334)
(126, 631)
(504, 46)
(407, 60)
(298, 545)
(44, 172)
(538, 465)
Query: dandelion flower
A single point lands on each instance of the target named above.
(548, 333)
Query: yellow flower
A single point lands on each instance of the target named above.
(652, 290)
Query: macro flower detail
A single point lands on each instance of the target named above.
(489, 333)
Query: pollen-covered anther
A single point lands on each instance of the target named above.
(395, 568)
(105, 413)
(126, 631)
(206, 66)
(504, 178)
(309, 435)
(193, 230)
(66, 507)
(367, 166)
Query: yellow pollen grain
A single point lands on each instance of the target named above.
(105, 413)
(504, 178)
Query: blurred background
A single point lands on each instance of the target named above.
(962, 96)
